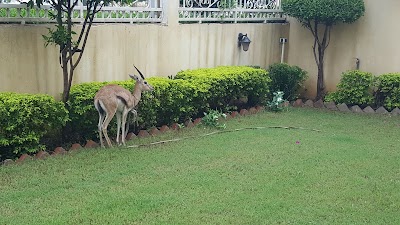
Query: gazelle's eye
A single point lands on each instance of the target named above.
(145, 82)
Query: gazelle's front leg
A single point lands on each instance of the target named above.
(124, 128)
(119, 127)
(135, 114)
(109, 116)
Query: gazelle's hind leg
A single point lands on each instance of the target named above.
(102, 115)
(99, 126)
(107, 121)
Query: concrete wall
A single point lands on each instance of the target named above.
(112, 49)
(26, 65)
(373, 39)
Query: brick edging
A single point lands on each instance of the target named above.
(42, 155)
(344, 107)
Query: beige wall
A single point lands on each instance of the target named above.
(162, 50)
(158, 50)
(374, 39)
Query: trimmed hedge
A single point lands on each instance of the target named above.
(25, 119)
(169, 102)
(83, 115)
(188, 95)
(288, 79)
(388, 90)
(354, 88)
(363, 88)
(225, 84)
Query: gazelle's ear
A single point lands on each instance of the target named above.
(134, 77)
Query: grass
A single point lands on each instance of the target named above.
(349, 173)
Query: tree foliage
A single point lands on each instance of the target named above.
(319, 16)
(327, 12)
(71, 44)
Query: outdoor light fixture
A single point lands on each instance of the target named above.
(244, 41)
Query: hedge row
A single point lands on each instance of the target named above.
(25, 119)
(223, 85)
(362, 88)
(188, 95)
(170, 101)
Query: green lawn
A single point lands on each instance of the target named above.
(348, 173)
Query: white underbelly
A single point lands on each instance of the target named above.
(120, 105)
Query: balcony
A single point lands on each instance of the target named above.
(155, 11)
(233, 11)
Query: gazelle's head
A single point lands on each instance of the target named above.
(141, 82)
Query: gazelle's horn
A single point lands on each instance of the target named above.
(139, 72)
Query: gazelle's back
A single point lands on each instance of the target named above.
(111, 93)
(110, 90)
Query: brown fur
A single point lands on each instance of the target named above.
(113, 100)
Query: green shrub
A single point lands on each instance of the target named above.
(171, 101)
(388, 90)
(276, 104)
(25, 119)
(225, 84)
(210, 119)
(83, 114)
(286, 78)
(191, 93)
(354, 88)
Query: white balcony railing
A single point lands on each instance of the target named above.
(139, 11)
(230, 11)
(153, 11)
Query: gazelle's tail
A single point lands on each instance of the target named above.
(98, 106)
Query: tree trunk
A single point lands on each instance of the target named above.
(320, 79)
(319, 48)
(64, 62)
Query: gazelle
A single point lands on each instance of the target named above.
(113, 99)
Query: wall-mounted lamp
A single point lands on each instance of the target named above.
(244, 41)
